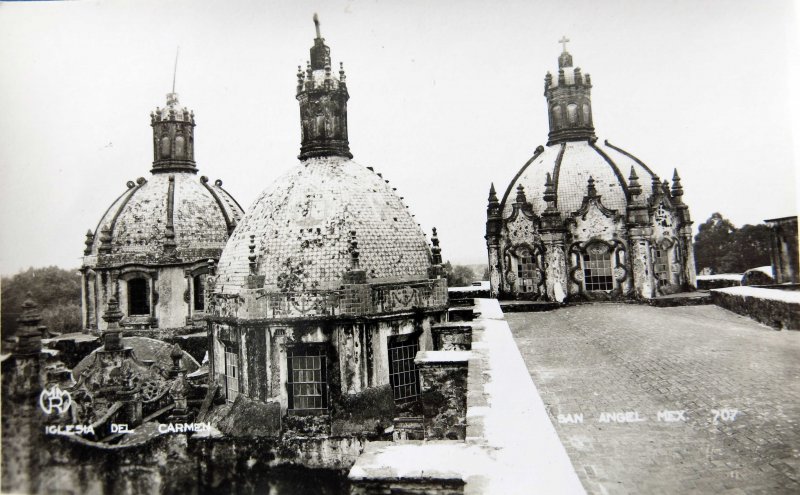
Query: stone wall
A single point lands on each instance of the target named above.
(359, 398)
(443, 393)
(177, 463)
(708, 282)
(510, 445)
(776, 308)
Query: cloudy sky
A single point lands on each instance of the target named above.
(445, 98)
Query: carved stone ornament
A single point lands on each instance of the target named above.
(597, 249)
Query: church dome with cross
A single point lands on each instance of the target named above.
(328, 287)
(562, 229)
(300, 229)
(153, 243)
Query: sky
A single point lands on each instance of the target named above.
(445, 98)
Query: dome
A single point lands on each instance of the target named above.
(570, 164)
(145, 349)
(302, 224)
(181, 208)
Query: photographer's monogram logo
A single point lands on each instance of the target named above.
(54, 400)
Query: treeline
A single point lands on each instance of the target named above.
(465, 275)
(722, 248)
(56, 291)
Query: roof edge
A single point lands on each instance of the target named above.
(538, 151)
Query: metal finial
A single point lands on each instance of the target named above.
(316, 24)
(175, 70)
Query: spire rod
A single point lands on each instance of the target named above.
(175, 70)
(316, 24)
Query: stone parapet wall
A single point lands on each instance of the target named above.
(350, 300)
(776, 308)
(719, 281)
(451, 337)
(443, 393)
(510, 446)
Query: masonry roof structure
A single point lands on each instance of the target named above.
(173, 214)
(573, 155)
(570, 164)
(328, 213)
(580, 211)
(303, 222)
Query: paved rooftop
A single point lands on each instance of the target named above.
(728, 391)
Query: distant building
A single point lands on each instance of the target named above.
(783, 249)
(571, 226)
(328, 287)
(152, 245)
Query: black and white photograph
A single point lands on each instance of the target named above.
(370, 247)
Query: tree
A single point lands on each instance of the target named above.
(55, 290)
(751, 247)
(723, 248)
(458, 275)
(712, 243)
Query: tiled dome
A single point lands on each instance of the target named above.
(570, 164)
(135, 228)
(302, 228)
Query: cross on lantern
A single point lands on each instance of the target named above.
(564, 40)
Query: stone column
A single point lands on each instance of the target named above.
(494, 269)
(494, 225)
(443, 393)
(22, 429)
(642, 276)
(690, 272)
(555, 266)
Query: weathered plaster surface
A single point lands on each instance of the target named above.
(302, 225)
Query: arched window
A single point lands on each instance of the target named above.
(597, 269)
(199, 293)
(661, 266)
(586, 116)
(138, 297)
(572, 113)
(557, 116)
(665, 253)
(179, 146)
(165, 147)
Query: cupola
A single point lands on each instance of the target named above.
(323, 104)
(569, 103)
(173, 137)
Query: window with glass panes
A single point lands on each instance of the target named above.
(231, 373)
(661, 267)
(403, 375)
(308, 380)
(526, 268)
(597, 270)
